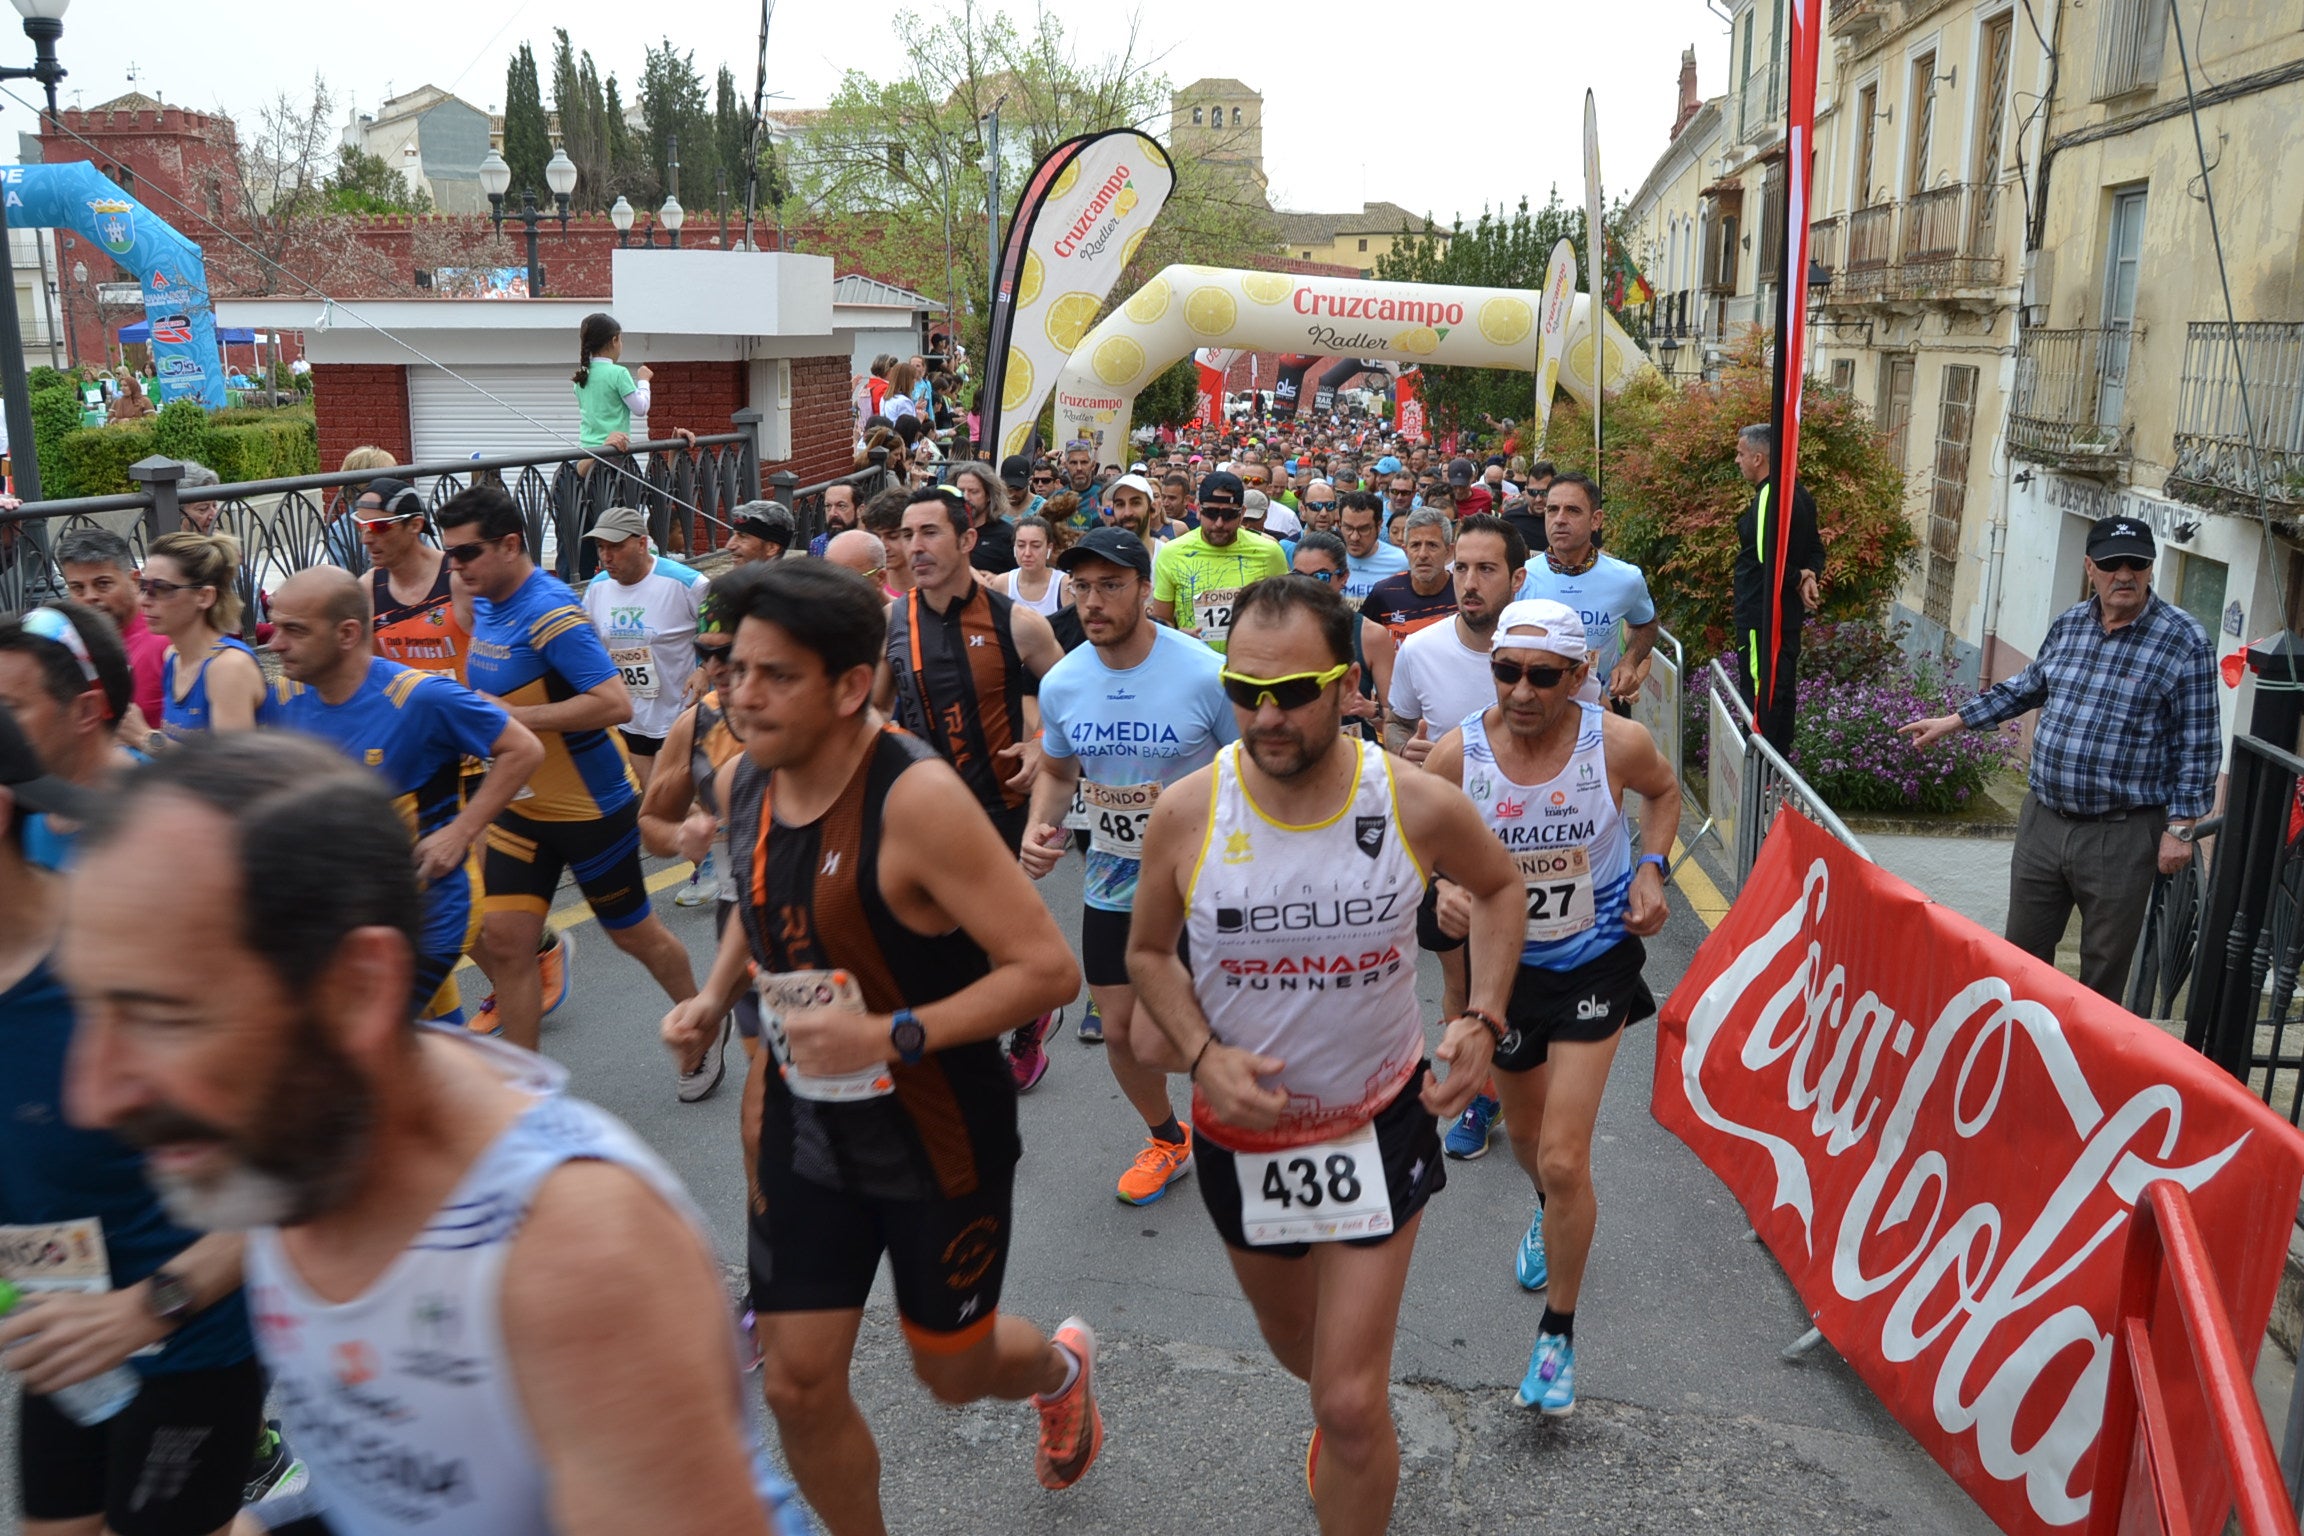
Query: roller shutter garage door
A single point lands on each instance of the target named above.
(493, 409)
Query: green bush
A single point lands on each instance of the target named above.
(287, 444)
(93, 461)
(55, 416)
(180, 430)
(240, 445)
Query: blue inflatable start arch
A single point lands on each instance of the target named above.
(166, 266)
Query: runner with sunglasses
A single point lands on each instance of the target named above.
(535, 653)
(1295, 864)
(682, 812)
(1197, 577)
(1121, 719)
(1548, 771)
(423, 615)
(1321, 557)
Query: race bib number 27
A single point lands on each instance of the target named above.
(1323, 1193)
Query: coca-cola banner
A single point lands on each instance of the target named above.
(1941, 1140)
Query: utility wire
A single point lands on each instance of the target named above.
(332, 306)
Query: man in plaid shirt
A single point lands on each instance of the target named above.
(2124, 757)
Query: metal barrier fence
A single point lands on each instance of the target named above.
(689, 493)
(2249, 940)
(1749, 779)
(1659, 704)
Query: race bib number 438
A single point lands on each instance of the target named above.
(1318, 1194)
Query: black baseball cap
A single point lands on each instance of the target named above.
(23, 775)
(1223, 489)
(1118, 545)
(1015, 471)
(1459, 471)
(398, 498)
(2116, 537)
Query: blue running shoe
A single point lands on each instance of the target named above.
(1091, 1031)
(1531, 1268)
(1550, 1384)
(1468, 1137)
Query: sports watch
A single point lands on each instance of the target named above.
(168, 1298)
(1663, 865)
(909, 1036)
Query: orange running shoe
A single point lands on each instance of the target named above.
(1311, 1462)
(552, 971)
(1071, 1430)
(1159, 1165)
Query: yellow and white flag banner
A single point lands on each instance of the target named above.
(1088, 207)
(1552, 315)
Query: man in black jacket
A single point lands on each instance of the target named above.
(1803, 568)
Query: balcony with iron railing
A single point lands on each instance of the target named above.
(1760, 105)
(1856, 19)
(1871, 253)
(2069, 404)
(2218, 459)
(1945, 240)
(1824, 242)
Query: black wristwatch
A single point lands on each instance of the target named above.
(909, 1036)
(168, 1298)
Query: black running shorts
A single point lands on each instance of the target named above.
(1407, 1136)
(640, 746)
(1590, 1002)
(816, 1249)
(526, 857)
(172, 1461)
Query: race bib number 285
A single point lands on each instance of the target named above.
(1323, 1193)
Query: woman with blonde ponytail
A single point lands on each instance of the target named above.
(209, 679)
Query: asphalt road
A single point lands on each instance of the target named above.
(1687, 1420)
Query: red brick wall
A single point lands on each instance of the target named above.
(823, 424)
(361, 403)
(699, 396)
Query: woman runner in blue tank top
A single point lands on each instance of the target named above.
(210, 680)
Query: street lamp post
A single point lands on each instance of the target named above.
(44, 24)
(620, 215)
(496, 180)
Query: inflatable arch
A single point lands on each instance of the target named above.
(166, 266)
(1406, 323)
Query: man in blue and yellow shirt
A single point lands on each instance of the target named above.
(416, 729)
(535, 653)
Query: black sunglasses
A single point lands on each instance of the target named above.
(1541, 677)
(2124, 563)
(710, 653)
(465, 554)
(1220, 514)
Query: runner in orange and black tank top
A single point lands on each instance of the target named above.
(809, 898)
(960, 686)
(423, 634)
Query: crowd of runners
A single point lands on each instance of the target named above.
(1303, 699)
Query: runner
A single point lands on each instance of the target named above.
(1373, 558)
(681, 812)
(423, 618)
(1610, 595)
(1321, 556)
(864, 554)
(100, 571)
(547, 1350)
(762, 530)
(209, 679)
(1033, 582)
(534, 654)
(1425, 593)
(105, 1270)
(963, 673)
(66, 679)
(895, 938)
(1442, 672)
(1204, 570)
(644, 606)
(1294, 864)
(1124, 716)
(415, 729)
(1548, 770)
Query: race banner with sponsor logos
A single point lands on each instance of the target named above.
(1595, 232)
(1552, 333)
(1408, 408)
(1213, 364)
(1306, 318)
(1774, 535)
(1087, 208)
(1941, 1140)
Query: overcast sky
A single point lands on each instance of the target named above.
(1439, 105)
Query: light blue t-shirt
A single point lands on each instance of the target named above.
(1364, 571)
(1153, 723)
(1607, 597)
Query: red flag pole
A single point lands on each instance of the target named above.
(1791, 327)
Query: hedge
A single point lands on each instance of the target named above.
(239, 445)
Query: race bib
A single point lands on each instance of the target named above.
(1116, 816)
(1076, 819)
(793, 991)
(1212, 612)
(56, 1256)
(637, 665)
(1317, 1194)
(1559, 882)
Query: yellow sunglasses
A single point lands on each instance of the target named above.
(1294, 691)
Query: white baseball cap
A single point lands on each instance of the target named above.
(1136, 483)
(1540, 624)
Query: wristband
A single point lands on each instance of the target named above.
(1663, 865)
(1487, 1021)
(1192, 1072)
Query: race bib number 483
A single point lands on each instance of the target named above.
(1318, 1194)
(1116, 816)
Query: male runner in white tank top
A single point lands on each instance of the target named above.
(1298, 859)
(1548, 772)
(487, 1308)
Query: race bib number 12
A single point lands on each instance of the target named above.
(1318, 1194)
(1212, 612)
